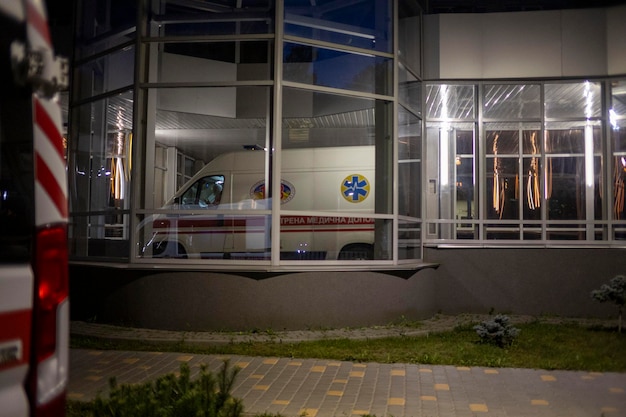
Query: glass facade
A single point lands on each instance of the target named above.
(294, 134)
(526, 163)
(247, 133)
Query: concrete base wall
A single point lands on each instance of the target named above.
(524, 281)
(511, 281)
(198, 301)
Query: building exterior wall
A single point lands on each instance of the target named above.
(197, 301)
(533, 281)
(561, 43)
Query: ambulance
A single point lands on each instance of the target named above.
(34, 309)
(327, 198)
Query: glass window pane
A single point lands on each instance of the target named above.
(409, 239)
(228, 17)
(573, 100)
(363, 24)
(338, 69)
(410, 34)
(450, 101)
(336, 158)
(450, 169)
(108, 73)
(214, 61)
(100, 157)
(103, 25)
(204, 236)
(511, 102)
(410, 164)
(210, 131)
(410, 91)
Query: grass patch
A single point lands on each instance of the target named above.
(539, 346)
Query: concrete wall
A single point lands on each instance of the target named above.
(544, 44)
(524, 281)
(512, 281)
(205, 301)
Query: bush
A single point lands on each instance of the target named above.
(615, 292)
(172, 396)
(497, 331)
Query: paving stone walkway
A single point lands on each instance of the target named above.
(326, 388)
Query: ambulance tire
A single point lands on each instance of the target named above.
(356, 252)
(167, 249)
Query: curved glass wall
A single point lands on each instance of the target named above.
(249, 133)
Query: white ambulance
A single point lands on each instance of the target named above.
(215, 215)
(34, 311)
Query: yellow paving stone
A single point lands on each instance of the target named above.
(335, 393)
(479, 408)
(463, 368)
(359, 365)
(295, 363)
(398, 372)
(95, 353)
(270, 361)
(130, 361)
(442, 387)
(308, 412)
(340, 381)
(426, 371)
(396, 401)
(539, 402)
(75, 395)
(281, 402)
(360, 412)
(318, 368)
(256, 376)
(428, 398)
(491, 371)
(333, 364)
(616, 390)
(548, 378)
(184, 358)
(357, 374)
(93, 378)
(261, 387)
(242, 365)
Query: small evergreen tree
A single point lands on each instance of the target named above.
(615, 292)
(497, 331)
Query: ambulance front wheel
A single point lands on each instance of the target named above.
(167, 249)
(356, 252)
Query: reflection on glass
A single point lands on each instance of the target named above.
(363, 24)
(215, 61)
(101, 28)
(573, 100)
(511, 101)
(204, 236)
(229, 17)
(450, 101)
(338, 69)
(105, 74)
(410, 34)
(410, 164)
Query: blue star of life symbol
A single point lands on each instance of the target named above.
(355, 188)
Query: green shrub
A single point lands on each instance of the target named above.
(497, 331)
(615, 292)
(174, 396)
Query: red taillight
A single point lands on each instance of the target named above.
(51, 277)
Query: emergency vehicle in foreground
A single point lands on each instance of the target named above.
(34, 309)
